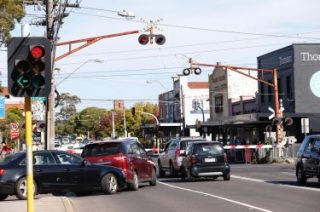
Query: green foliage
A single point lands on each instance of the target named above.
(97, 122)
(10, 12)
(13, 115)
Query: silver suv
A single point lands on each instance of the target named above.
(171, 159)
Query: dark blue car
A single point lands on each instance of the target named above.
(57, 172)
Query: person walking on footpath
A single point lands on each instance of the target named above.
(5, 149)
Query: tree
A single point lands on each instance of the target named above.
(13, 115)
(67, 104)
(10, 12)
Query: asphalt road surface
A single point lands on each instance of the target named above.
(251, 188)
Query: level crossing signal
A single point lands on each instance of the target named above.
(29, 66)
(144, 39)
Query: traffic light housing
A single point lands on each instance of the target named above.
(29, 67)
(133, 111)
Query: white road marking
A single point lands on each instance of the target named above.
(289, 173)
(280, 184)
(218, 197)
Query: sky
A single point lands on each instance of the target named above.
(233, 32)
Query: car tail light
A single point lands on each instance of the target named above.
(177, 153)
(193, 159)
(122, 160)
(225, 157)
(2, 171)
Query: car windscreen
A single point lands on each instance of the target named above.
(102, 149)
(208, 149)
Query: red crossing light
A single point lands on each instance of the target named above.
(143, 39)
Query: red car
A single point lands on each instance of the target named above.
(128, 155)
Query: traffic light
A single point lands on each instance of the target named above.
(143, 39)
(29, 67)
(197, 71)
(186, 71)
(133, 111)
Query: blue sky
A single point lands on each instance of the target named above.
(210, 31)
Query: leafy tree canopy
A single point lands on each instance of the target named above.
(10, 12)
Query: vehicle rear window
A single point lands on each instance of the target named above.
(208, 149)
(184, 144)
(102, 149)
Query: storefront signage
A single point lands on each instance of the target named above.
(307, 56)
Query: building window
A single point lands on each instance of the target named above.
(218, 102)
(288, 86)
(279, 87)
(269, 91)
(262, 92)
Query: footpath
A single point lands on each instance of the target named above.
(41, 204)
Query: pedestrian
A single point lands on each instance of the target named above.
(6, 149)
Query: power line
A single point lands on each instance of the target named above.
(207, 29)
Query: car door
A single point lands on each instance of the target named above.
(147, 165)
(164, 158)
(73, 178)
(137, 159)
(47, 172)
(307, 156)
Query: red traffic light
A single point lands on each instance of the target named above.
(37, 52)
(143, 39)
(160, 39)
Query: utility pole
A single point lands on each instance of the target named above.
(113, 129)
(50, 101)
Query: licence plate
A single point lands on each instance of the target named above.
(208, 160)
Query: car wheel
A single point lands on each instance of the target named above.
(226, 176)
(135, 184)
(109, 184)
(3, 196)
(21, 188)
(172, 171)
(153, 182)
(162, 172)
(301, 178)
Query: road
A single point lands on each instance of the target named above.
(252, 188)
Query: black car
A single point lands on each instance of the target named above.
(308, 159)
(205, 159)
(57, 172)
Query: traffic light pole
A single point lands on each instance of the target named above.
(28, 125)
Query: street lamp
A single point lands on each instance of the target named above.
(81, 65)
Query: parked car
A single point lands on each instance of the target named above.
(57, 172)
(205, 159)
(127, 154)
(308, 159)
(170, 159)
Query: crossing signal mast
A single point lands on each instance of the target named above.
(192, 69)
(144, 39)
